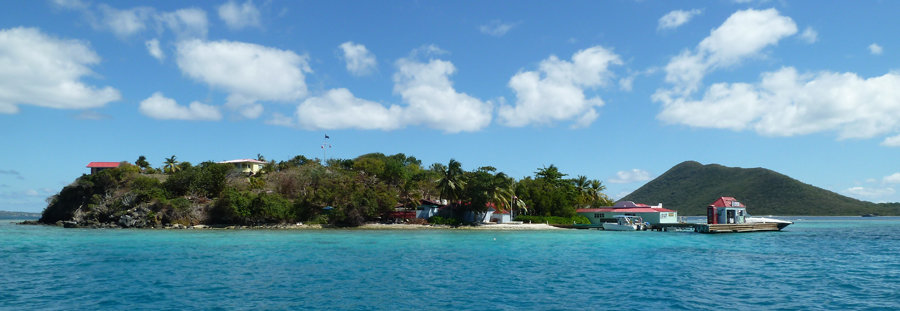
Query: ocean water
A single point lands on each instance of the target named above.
(818, 263)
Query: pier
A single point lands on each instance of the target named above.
(695, 227)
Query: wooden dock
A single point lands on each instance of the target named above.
(702, 228)
(719, 228)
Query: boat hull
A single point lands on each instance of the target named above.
(617, 227)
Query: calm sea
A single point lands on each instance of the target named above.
(817, 263)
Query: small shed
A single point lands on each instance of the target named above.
(96, 167)
(428, 208)
(501, 217)
(726, 210)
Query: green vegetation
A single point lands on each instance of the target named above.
(340, 192)
(690, 186)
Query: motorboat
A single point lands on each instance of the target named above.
(759, 220)
(626, 223)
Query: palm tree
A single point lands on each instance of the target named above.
(451, 183)
(171, 165)
(500, 192)
(597, 189)
(583, 186)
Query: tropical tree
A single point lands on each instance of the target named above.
(142, 162)
(550, 174)
(451, 183)
(599, 197)
(170, 165)
(501, 191)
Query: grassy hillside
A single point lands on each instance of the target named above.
(690, 186)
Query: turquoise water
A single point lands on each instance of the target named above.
(817, 263)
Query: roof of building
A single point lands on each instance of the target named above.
(727, 202)
(624, 210)
(103, 164)
(244, 161)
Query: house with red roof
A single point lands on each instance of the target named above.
(100, 166)
(726, 210)
(501, 217)
(653, 214)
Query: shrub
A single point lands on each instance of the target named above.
(270, 208)
(232, 207)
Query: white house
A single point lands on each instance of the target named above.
(501, 217)
(248, 166)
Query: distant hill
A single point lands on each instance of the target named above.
(18, 215)
(690, 187)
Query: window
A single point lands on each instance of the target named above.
(598, 215)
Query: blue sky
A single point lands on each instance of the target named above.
(614, 90)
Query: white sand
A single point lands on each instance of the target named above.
(482, 227)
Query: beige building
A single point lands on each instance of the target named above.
(248, 166)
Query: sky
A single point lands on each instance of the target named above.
(618, 90)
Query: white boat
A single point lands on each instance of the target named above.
(626, 223)
(759, 220)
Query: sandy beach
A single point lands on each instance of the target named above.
(521, 227)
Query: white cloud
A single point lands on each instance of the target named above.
(875, 49)
(70, 4)
(744, 34)
(248, 72)
(892, 179)
(431, 99)
(154, 50)
(359, 60)
(677, 18)
(158, 106)
(785, 103)
(186, 23)
(782, 102)
(893, 141)
(280, 120)
(428, 95)
(36, 69)
(634, 175)
(127, 22)
(237, 16)
(556, 91)
(809, 35)
(339, 109)
(870, 192)
(497, 28)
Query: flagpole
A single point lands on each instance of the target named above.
(325, 147)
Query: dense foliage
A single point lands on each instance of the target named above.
(690, 186)
(341, 192)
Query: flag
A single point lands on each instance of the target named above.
(326, 136)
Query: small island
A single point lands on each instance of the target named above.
(375, 189)
(372, 188)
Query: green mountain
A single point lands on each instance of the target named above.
(690, 187)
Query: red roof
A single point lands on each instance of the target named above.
(727, 202)
(624, 210)
(104, 164)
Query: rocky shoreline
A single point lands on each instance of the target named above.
(298, 226)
